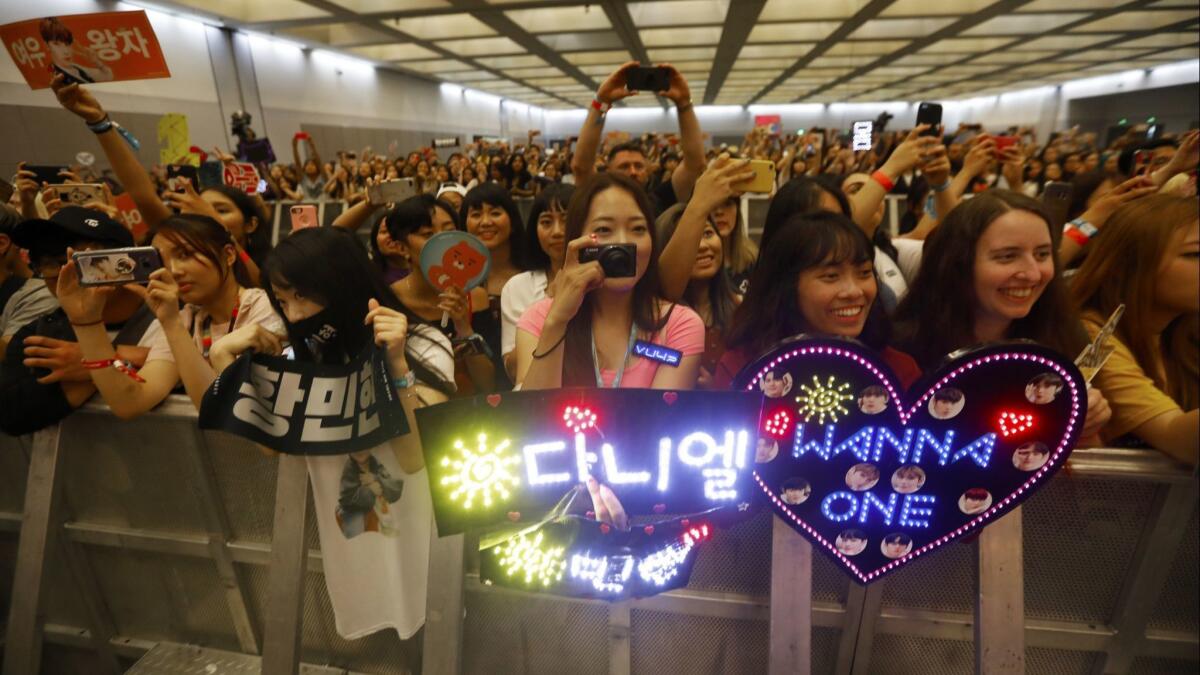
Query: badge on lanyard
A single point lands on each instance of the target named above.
(664, 355)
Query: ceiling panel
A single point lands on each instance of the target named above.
(1041, 41)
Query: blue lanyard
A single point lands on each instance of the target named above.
(620, 371)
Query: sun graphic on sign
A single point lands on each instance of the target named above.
(824, 400)
(483, 473)
(523, 555)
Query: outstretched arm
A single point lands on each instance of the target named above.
(583, 164)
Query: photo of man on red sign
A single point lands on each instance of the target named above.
(85, 48)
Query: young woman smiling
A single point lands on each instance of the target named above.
(989, 273)
(817, 277)
(585, 334)
(200, 268)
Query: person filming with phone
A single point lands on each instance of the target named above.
(43, 378)
(630, 159)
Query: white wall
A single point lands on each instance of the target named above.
(1043, 107)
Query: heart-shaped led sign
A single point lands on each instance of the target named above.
(876, 477)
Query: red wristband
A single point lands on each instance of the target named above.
(1075, 235)
(243, 256)
(599, 107)
(881, 178)
(120, 365)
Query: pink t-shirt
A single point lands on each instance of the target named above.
(683, 332)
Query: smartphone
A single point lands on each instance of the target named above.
(391, 191)
(47, 174)
(6, 191)
(116, 266)
(862, 134)
(764, 177)
(617, 260)
(78, 194)
(177, 171)
(1003, 143)
(1056, 199)
(931, 114)
(303, 216)
(648, 78)
(210, 174)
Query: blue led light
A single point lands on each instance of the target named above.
(858, 444)
(979, 450)
(823, 451)
(532, 475)
(888, 510)
(912, 514)
(615, 475)
(884, 435)
(718, 482)
(943, 449)
(827, 504)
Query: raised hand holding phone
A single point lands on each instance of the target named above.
(614, 88)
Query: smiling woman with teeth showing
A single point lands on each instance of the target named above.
(988, 274)
(817, 277)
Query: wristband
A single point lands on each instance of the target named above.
(97, 322)
(551, 350)
(683, 108)
(599, 107)
(943, 187)
(881, 178)
(1075, 235)
(122, 366)
(405, 381)
(243, 256)
(1085, 227)
(101, 126)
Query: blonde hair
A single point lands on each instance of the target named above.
(1122, 267)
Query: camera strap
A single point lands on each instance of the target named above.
(625, 361)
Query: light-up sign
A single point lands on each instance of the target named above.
(875, 477)
(513, 456)
(578, 557)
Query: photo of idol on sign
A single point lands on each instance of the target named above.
(877, 476)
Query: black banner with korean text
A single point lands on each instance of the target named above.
(306, 408)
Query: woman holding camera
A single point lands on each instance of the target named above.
(608, 301)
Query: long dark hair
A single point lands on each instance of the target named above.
(206, 238)
(578, 367)
(799, 195)
(330, 266)
(938, 314)
(721, 295)
(258, 242)
(770, 311)
(496, 195)
(431, 202)
(553, 196)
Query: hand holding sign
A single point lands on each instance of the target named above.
(455, 259)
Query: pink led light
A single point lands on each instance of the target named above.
(578, 420)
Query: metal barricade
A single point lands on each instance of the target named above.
(151, 532)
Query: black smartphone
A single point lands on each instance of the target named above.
(47, 174)
(177, 171)
(1056, 199)
(931, 114)
(617, 260)
(648, 78)
(116, 266)
(210, 174)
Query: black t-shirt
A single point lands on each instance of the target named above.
(663, 197)
(28, 404)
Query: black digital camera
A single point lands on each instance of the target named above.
(617, 260)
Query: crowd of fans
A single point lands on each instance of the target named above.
(985, 251)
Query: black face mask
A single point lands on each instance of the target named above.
(317, 330)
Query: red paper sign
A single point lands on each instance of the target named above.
(774, 122)
(130, 215)
(103, 47)
(242, 176)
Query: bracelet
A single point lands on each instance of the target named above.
(943, 187)
(599, 107)
(101, 126)
(1085, 227)
(1075, 235)
(680, 109)
(551, 350)
(243, 256)
(405, 381)
(97, 322)
(118, 364)
(881, 178)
